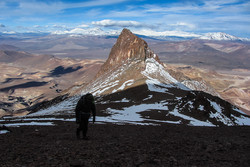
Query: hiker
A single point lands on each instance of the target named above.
(85, 106)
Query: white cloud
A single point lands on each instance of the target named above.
(58, 26)
(9, 32)
(83, 26)
(184, 24)
(112, 23)
(37, 26)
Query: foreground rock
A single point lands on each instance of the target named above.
(126, 145)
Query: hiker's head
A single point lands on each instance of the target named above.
(89, 97)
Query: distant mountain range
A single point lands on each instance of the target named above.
(165, 35)
(222, 36)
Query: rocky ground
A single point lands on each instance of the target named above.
(126, 145)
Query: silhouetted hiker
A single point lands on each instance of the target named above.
(85, 106)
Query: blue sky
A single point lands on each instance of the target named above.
(190, 17)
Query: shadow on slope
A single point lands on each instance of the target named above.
(60, 70)
(24, 85)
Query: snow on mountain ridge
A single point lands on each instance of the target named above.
(222, 36)
(154, 34)
(155, 69)
(90, 31)
(162, 35)
(200, 86)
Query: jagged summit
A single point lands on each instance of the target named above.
(127, 47)
(130, 63)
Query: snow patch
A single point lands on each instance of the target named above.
(155, 86)
(193, 121)
(149, 97)
(107, 87)
(218, 115)
(30, 124)
(154, 68)
(131, 114)
(125, 84)
(3, 131)
(201, 107)
(238, 110)
(242, 120)
(65, 107)
(37, 119)
(178, 98)
(124, 100)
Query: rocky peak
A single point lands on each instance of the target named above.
(127, 47)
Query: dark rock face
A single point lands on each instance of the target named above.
(127, 47)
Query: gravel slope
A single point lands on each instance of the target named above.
(126, 145)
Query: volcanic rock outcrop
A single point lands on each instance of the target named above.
(127, 47)
(131, 60)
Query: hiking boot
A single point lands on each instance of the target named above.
(78, 134)
(85, 138)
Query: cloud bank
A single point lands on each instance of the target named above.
(112, 23)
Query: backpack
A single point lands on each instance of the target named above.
(84, 106)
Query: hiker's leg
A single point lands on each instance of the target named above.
(78, 130)
(85, 126)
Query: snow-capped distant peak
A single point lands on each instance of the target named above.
(89, 31)
(221, 36)
(151, 33)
